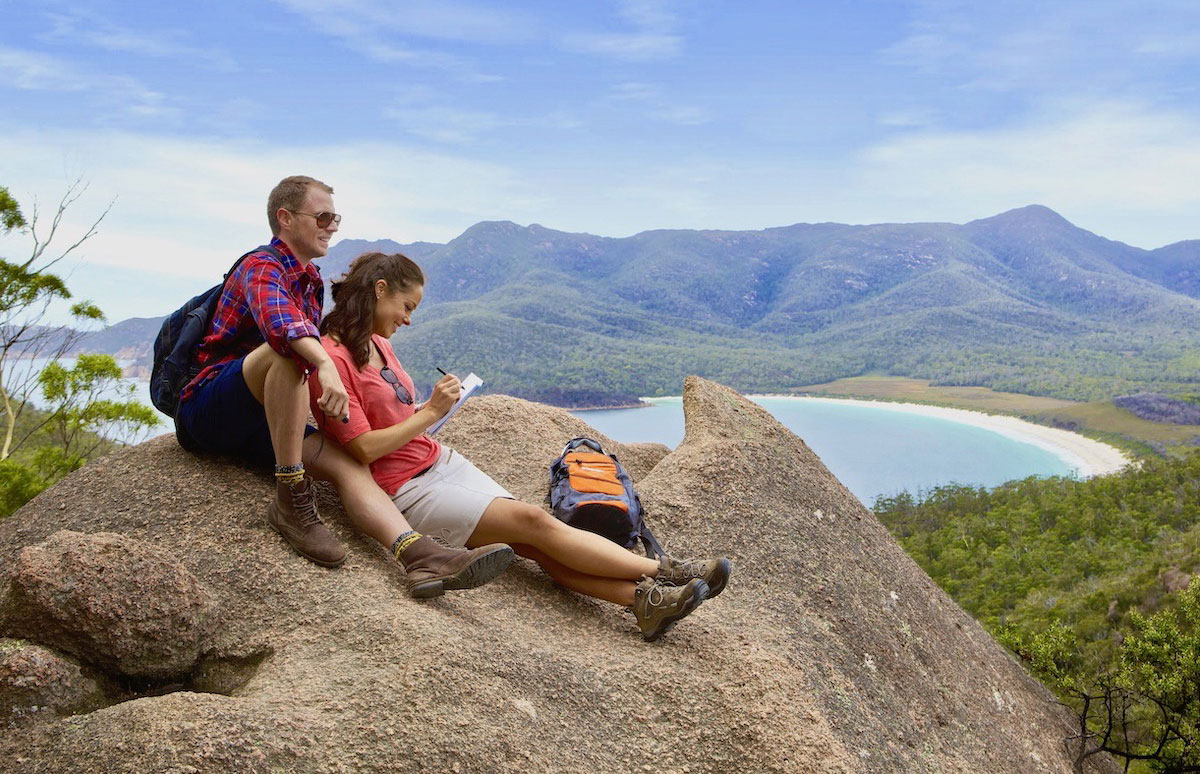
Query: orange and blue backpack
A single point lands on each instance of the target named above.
(591, 490)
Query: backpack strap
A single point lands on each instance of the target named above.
(260, 249)
(575, 443)
(650, 543)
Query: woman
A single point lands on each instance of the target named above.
(442, 494)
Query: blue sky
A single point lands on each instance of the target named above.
(608, 116)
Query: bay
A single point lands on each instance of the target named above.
(874, 450)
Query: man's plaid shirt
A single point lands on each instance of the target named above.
(264, 300)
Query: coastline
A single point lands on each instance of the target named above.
(1087, 456)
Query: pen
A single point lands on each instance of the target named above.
(443, 373)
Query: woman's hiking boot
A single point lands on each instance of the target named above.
(293, 513)
(434, 568)
(657, 605)
(714, 572)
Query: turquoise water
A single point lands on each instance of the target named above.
(873, 450)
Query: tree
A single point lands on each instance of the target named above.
(86, 407)
(26, 291)
(1147, 710)
(10, 212)
(80, 419)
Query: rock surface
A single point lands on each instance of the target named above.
(830, 651)
(35, 679)
(128, 608)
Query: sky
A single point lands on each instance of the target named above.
(604, 116)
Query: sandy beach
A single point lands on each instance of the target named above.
(1089, 457)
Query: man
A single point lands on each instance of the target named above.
(250, 399)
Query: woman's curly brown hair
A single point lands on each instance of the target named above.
(354, 298)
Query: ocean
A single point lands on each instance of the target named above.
(874, 450)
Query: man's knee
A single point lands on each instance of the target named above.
(264, 361)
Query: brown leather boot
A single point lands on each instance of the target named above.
(293, 513)
(434, 568)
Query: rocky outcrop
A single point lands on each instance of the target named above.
(35, 679)
(830, 651)
(127, 608)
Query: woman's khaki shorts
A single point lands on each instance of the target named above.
(447, 500)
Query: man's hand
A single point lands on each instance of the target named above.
(445, 393)
(333, 401)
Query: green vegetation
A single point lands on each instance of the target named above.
(80, 417)
(1100, 419)
(1081, 579)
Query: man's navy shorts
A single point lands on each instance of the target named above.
(223, 417)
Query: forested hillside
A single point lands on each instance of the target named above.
(1084, 580)
(1023, 301)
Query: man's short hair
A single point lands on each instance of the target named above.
(289, 194)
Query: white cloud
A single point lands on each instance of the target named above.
(1168, 44)
(433, 19)
(1123, 170)
(444, 124)
(657, 106)
(908, 118)
(114, 94)
(647, 14)
(652, 36)
(34, 71)
(80, 26)
(380, 30)
(1105, 46)
(186, 207)
(427, 114)
(633, 47)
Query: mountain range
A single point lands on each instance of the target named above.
(1022, 301)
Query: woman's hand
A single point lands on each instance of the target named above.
(445, 393)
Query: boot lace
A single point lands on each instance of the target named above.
(679, 572)
(444, 540)
(655, 596)
(304, 504)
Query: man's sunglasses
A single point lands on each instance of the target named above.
(401, 391)
(323, 218)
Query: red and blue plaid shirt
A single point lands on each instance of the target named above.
(264, 300)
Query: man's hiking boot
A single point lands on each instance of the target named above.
(293, 513)
(657, 606)
(434, 567)
(714, 572)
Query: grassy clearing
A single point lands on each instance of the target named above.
(1098, 419)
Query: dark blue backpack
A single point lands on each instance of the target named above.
(177, 340)
(591, 490)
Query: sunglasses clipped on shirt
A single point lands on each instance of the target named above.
(402, 393)
(323, 218)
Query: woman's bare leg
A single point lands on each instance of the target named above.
(369, 507)
(614, 590)
(512, 521)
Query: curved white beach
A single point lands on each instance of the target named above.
(1087, 456)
